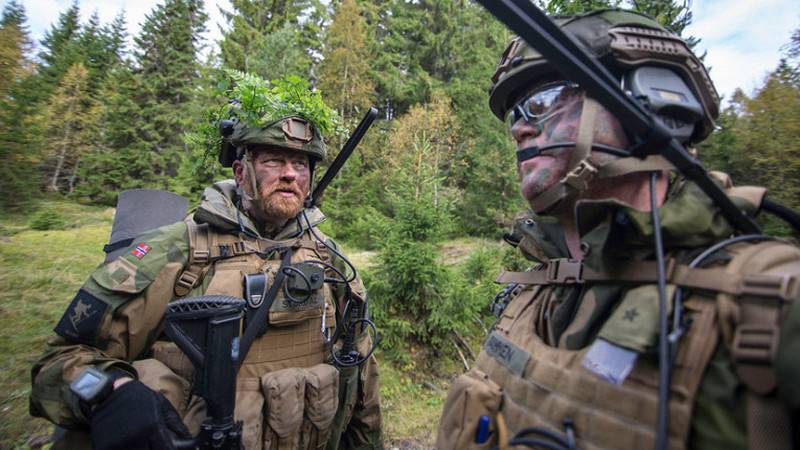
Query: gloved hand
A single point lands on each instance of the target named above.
(136, 417)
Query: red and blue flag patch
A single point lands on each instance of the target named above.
(141, 250)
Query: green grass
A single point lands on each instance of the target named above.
(39, 273)
(411, 410)
(41, 270)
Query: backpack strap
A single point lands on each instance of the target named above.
(199, 257)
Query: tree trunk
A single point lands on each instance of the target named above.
(74, 175)
(62, 155)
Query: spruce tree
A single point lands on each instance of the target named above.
(167, 67)
(61, 50)
(269, 37)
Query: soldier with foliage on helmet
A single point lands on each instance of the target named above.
(571, 361)
(289, 393)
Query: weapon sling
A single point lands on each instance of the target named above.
(256, 324)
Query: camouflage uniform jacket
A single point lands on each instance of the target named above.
(115, 321)
(568, 319)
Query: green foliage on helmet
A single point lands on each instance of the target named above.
(621, 40)
(260, 102)
(283, 113)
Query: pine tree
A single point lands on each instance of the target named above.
(343, 72)
(768, 131)
(70, 121)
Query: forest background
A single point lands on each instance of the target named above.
(422, 203)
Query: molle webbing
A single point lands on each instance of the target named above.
(205, 248)
(553, 384)
(567, 271)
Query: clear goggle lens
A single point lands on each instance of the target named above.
(543, 103)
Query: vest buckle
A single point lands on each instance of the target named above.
(755, 344)
(186, 282)
(564, 271)
(200, 257)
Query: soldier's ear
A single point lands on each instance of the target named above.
(239, 170)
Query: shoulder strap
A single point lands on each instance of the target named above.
(566, 271)
(757, 324)
(199, 256)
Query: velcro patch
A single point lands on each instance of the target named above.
(141, 250)
(81, 321)
(506, 353)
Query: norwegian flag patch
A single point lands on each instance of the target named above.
(141, 250)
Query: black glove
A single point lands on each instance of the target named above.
(136, 417)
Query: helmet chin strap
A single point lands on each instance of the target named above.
(581, 172)
(251, 172)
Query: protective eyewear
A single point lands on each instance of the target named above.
(543, 103)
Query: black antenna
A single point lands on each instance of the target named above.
(342, 157)
(531, 23)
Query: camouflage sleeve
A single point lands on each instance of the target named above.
(112, 320)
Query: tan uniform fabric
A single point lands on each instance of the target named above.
(287, 395)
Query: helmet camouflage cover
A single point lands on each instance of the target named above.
(621, 40)
(288, 133)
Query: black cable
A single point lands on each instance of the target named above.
(526, 153)
(544, 432)
(664, 357)
(329, 247)
(533, 443)
(677, 319)
(362, 360)
(783, 212)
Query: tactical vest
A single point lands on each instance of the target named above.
(518, 381)
(286, 395)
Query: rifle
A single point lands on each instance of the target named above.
(206, 329)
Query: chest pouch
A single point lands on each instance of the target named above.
(302, 297)
(301, 281)
(255, 293)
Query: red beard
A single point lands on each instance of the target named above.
(281, 207)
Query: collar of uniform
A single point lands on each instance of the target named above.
(218, 209)
(614, 232)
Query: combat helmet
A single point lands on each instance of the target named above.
(292, 132)
(622, 41)
(637, 50)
